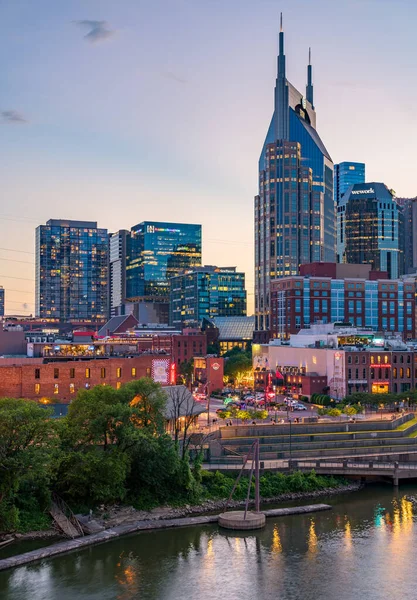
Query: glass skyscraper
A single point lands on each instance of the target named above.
(345, 175)
(370, 228)
(155, 252)
(294, 210)
(71, 271)
(206, 292)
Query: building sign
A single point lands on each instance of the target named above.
(215, 366)
(161, 370)
(369, 191)
(291, 370)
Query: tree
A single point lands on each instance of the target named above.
(27, 440)
(182, 410)
(349, 410)
(238, 366)
(149, 401)
(186, 371)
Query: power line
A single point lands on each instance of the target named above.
(26, 262)
(21, 251)
(21, 278)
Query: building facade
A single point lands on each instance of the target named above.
(370, 229)
(345, 175)
(381, 305)
(71, 282)
(409, 208)
(206, 292)
(117, 272)
(2, 301)
(294, 209)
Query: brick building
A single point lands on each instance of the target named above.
(61, 380)
(297, 302)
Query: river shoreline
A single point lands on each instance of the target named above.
(127, 515)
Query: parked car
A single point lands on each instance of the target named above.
(299, 406)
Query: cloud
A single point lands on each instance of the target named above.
(99, 30)
(12, 117)
(170, 75)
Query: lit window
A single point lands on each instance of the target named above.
(133, 371)
(87, 373)
(118, 385)
(103, 372)
(118, 372)
(385, 359)
(56, 388)
(72, 388)
(37, 388)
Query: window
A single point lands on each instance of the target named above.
(37, 388)
(394, 372)
(379, 359)
(87, 373)
(349, 373)
(351, 305)
(37, 373)
(395, 358)
(349, 360)
(56, 374)
(298, 305)
(364, 374)
(408, 375)
(72, 388)
(148, 371)
(386, 359)
(364, 359)
(356, 373)
(408, 359)
(372, 360)
(103, 372)
(118, 372)
(386, 373)
(56, 388)
(72, 373)
(118, 385)
(401, 373)
(133, 371)
(401, 358)
(356, 360)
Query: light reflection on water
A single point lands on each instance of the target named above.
(364, 548)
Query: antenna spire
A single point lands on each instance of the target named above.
(280, 24)
(309, 87)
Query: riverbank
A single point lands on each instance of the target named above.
(115, 532)
(109, 517)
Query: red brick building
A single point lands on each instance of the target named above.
(382, 305)
(61, 380)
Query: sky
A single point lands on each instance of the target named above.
(120, 111)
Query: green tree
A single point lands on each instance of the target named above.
(149, 402)
(27, 441)
(186, 371)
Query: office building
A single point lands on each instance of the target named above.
(370, 229)
(2, 299)
(117, 272)
(71, 271)
(345, 175)
(206, 292)
(155, 253)
(377, 303)
(294, 210)
(409, 208)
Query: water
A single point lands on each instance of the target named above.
(366, 547)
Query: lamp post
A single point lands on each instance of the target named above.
(290, 465)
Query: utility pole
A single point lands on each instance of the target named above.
(257, 496)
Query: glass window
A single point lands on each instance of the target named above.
(56, 388)
(37, 373)
(72, 388)
(72, 373)
(349, 360)
(408, 372)
(394, 372)
(118, 385)
(87, 373)
(133, 371)
(401, 372)
(103, 372)
(56, 374)
(148, 371)
(37, 388)
(118, 372)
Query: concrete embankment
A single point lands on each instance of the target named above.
(115, 532)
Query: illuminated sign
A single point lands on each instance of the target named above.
(215, 366)
(160, 370)
(369, 191)
(338, 355)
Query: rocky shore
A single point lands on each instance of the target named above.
(109, 517)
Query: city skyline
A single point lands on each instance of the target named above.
(86, 127)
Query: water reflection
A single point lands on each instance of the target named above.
(365, 545)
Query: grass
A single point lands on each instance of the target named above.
(406, 425)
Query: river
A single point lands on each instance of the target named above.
(365, 548)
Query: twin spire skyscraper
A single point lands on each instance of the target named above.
(294, 209)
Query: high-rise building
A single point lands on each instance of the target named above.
(294, 210)
(370, 228)
(117, 272)
(409, 207)
(206, 292)
(345, 175)
(71, 271)
(1, 301)
(155, 253)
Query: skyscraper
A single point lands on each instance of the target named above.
(206, 292)
(71, 271)
(345, 175)
(155, 253)
(1, 301)
(370, 228)
(294, 210)
(409, 208)
(117, 272)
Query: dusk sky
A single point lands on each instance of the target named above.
(121, 111)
